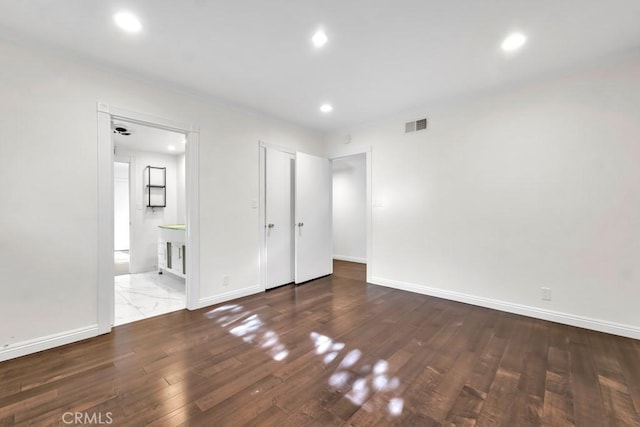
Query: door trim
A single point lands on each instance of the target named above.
(105, 295)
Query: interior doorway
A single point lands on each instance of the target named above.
(149, 221)
(106, 115)
(350, 208)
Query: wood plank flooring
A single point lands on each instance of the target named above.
(335, 351)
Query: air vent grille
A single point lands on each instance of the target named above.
(410, 127)
(415, 126)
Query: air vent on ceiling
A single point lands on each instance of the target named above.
(415, 126)
(410, 127)
(121, 130)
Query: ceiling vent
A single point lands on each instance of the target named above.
(121, 130)
(415, 126)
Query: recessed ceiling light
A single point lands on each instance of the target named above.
(128, 22)
(319, 39)
(514, 41)
(326, 108)
(172, 148)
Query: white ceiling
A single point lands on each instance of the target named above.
(147, 138)
(382, 56)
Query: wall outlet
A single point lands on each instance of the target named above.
(225, 280)
(545, 294)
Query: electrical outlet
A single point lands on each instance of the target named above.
(545, 293)
(225, 280)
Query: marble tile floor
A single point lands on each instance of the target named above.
(142, 295)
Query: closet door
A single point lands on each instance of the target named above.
(313, 217)
(279, 217)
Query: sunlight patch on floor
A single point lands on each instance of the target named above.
(372, 381)
(362, 382)
(250, 328)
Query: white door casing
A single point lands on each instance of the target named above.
(106, 114)
(279, 217)
(313, 217)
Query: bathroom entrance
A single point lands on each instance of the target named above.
(149, 221)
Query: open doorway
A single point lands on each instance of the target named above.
(149, 221)
(350, 208)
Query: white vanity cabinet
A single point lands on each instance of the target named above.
(172, 249)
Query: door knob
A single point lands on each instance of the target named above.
(271, 225)
(300, 224)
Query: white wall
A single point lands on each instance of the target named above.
(144, 220)
(121, 206)
(510, 191)
(350, 208)
(48, 154)
(182, 200)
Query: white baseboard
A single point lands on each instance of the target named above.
(228, 296)
(525, 310)
(350, 258)
(45, 343)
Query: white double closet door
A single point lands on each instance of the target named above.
(298, 217)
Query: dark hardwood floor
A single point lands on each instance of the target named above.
(331, 352)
